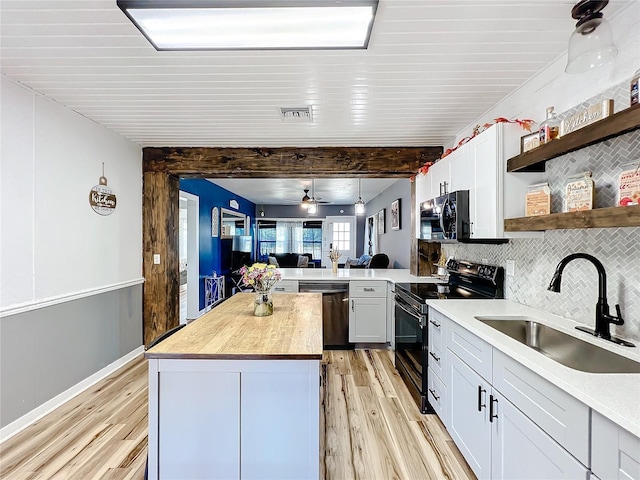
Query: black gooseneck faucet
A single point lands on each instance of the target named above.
(603, 317)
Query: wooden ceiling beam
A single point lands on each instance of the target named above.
(288, 161)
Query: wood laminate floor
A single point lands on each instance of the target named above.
(370, 429)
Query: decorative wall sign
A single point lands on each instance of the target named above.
(395, 215)
(629, 187)
(580, 193)
(586, 116)
(234, 204)
(381, 225)
(215, 222)
(538, 200)
(101, 197)
(529, 142)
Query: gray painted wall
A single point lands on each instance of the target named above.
(45, 351)
(295, 211)
(395, 243)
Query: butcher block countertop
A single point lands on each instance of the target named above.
(230, 331)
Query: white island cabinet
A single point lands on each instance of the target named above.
(233, 396)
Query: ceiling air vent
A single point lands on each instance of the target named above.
(296, 114)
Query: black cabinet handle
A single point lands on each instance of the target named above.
(369, 289)
(435, 357)
(480, 392)
(492, 401)
(434, 395)
(434, 323)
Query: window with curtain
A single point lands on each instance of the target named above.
(289, 237)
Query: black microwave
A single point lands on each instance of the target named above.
(446, 218)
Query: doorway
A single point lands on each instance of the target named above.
(189, 255)
(340, 234)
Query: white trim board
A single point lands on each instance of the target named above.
(37, 413)
(47, 302)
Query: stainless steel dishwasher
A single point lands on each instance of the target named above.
(335, 312)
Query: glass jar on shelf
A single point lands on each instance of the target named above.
(550, 128)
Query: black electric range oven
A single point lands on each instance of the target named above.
(466, 280)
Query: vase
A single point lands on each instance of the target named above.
(263, 304)
(334, 266)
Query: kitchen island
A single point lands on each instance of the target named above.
(237, 396)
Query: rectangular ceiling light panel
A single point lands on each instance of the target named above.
(252, 25)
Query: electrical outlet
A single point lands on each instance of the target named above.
(511, 268)
(156, 259)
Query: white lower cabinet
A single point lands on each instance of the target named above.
(205, 454)
(367, 312)
(615, 452)
(235, 419)
(498, 440)
(508, 422)
(468, 416)
(368, 320)
(522, 450)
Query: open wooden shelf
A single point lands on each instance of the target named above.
(598, 218)
(617, 124)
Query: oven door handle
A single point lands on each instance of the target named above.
(419, 318)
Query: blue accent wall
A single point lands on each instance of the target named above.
(212, 195)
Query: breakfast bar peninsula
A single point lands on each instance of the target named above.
(232, 395)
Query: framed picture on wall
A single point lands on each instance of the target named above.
(381, 224)
(395, 215)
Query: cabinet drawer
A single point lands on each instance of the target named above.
(437, 359)
(437, 326)
(368, 289)
(287, 286)
(437, 393)
(474, 351)
(556, 412)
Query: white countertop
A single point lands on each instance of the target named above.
(395, 275)
(616, 396)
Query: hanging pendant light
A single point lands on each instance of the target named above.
(359, 205)
(591, 44)
(312, 208)
(304, 203)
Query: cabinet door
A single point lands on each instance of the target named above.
(440, 177)
(486, 213)
(367, 320)
(522, 450)
(468, 396)
(615, 452)
(461, 170)
(280, 425)
(199, 429)
(423, 189)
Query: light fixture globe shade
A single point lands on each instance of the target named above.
(312, 208)
(359, 206)
(590, 50)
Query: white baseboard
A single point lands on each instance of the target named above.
(50, 405)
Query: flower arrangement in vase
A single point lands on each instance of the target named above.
(262, 278)
(334, 255)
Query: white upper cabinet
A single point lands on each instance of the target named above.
(494, 194)
(480, 166)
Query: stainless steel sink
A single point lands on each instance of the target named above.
(565, 349)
